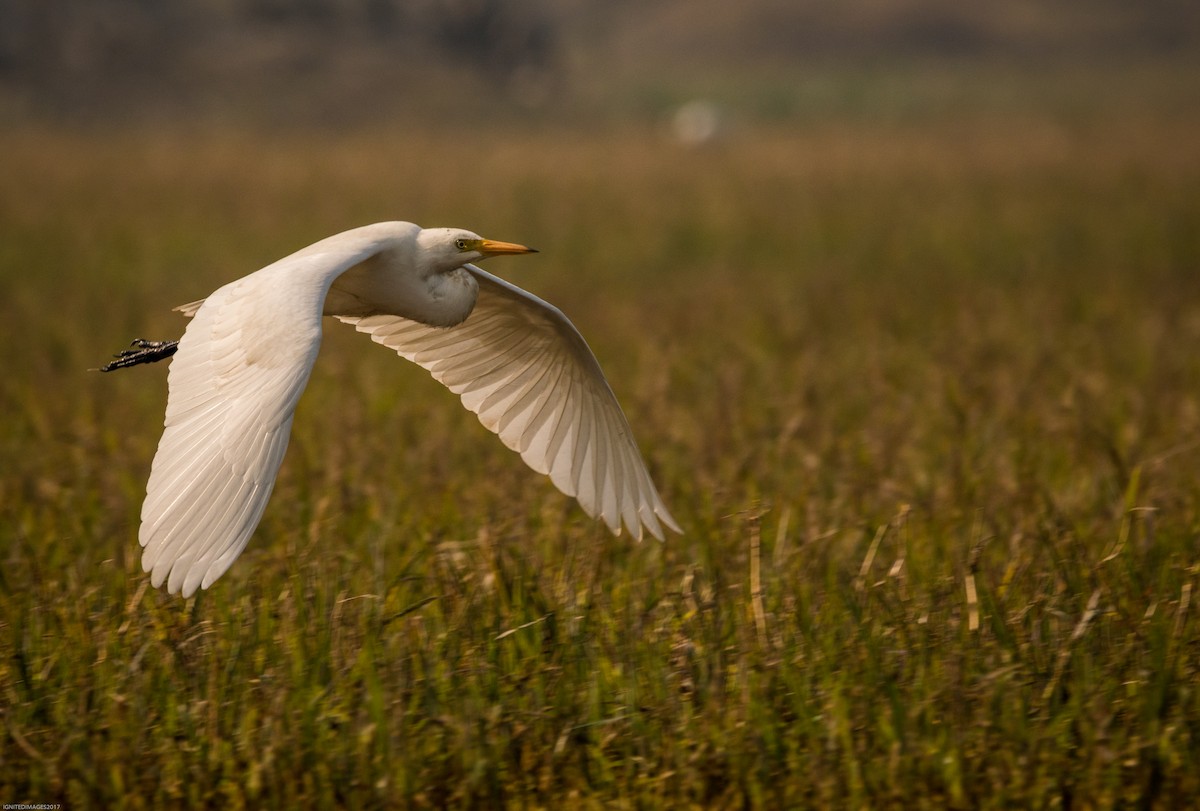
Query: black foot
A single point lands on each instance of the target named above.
(143, 352)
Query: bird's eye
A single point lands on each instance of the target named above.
(461, 244)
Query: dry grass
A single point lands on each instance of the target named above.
(926, 400)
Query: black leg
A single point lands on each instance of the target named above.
(143, 352)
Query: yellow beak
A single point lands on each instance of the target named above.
(490, 247)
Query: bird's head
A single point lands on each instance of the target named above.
(450, 248)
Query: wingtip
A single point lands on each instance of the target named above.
(668, 519)
(190, 309)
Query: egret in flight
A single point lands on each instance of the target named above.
(238, 371)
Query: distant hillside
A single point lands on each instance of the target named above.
(97, 58)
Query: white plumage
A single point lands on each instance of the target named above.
(242, 363)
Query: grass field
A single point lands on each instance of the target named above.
(925, 397)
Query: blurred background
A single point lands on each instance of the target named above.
(901, 297)
(334, 63)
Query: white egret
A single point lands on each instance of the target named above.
(515, 360)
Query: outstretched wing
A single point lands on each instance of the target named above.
(234, 384)
(520, 365)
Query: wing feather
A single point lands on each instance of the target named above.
(233, 386)
(521, 366)
(226, 430)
